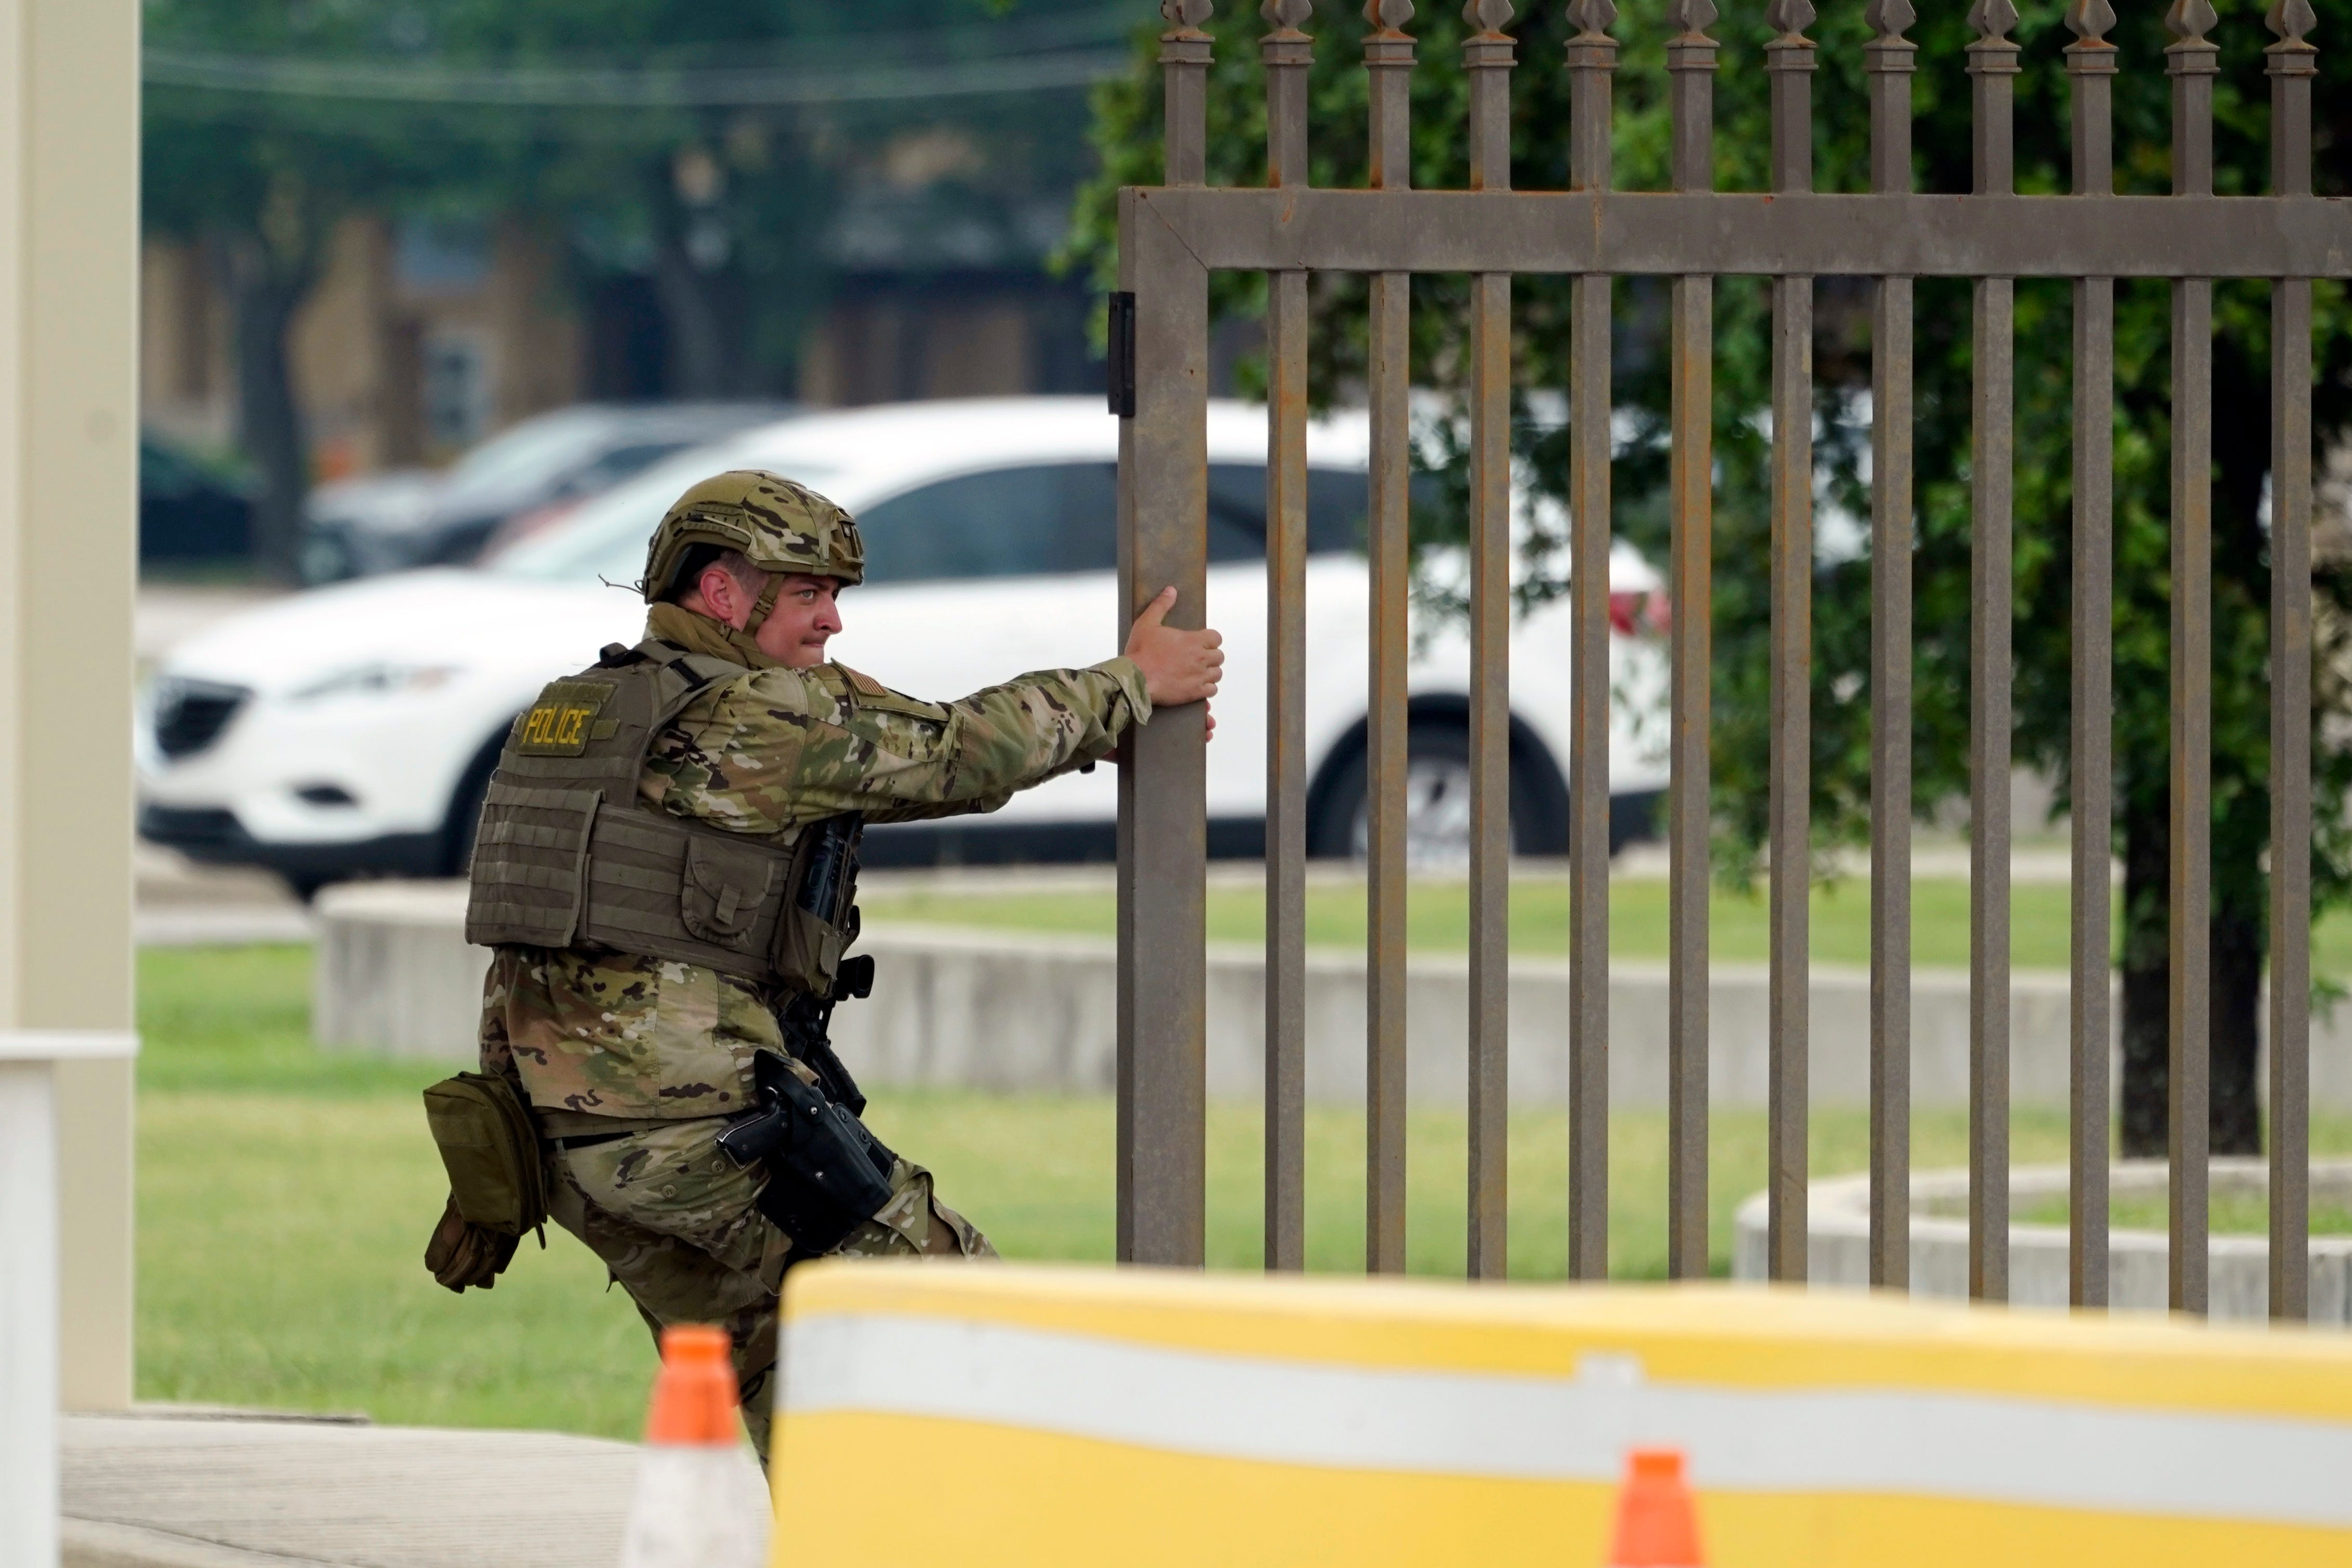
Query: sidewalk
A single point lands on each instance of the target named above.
(193, 1489)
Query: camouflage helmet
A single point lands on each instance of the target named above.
(778, 525)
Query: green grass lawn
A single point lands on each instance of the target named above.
(1437, 917)
(285, 1196)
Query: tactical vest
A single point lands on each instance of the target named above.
(569, 856)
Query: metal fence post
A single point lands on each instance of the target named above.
(1487, 55)
(1163, 823)
(1288, 54)
(1890, 60)
(1388, 59)
(2291, 64)
(2193, 61)
(1591, 60)
(2090, 66)
(1691, 64)
(1993, 67)
(1790, 59)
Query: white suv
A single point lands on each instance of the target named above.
(351, 729)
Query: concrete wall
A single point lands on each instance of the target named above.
(1037, 1013)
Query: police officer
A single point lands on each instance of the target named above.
(647, 868)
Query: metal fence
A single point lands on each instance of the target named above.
(1171, 237)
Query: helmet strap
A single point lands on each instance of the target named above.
(765, 605)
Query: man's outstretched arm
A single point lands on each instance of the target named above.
(783, 748)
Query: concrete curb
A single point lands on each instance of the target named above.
(1031, 1012)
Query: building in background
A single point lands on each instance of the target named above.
(422, 337)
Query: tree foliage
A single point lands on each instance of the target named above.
(1127, 131)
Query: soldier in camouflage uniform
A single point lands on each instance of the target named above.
(632, 1064)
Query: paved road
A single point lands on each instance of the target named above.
(167, 1490)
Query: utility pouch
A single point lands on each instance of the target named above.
(490, 1149)
(827, 1174)
(820, 919)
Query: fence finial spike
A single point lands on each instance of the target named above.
(1993, 19)
(2090, 19)
(1691, 18)
(1887, 19)
(1286, 15)
(1591, 17)
(1186, 14)
(1788, 18)
(2290, 19)
(1488, 16)
(2189, 20)
(1388, 16)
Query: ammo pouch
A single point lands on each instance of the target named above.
(827, 1174)
(490, 1148)
(497, 1184)
(567, 855)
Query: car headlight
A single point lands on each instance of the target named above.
(377, 680)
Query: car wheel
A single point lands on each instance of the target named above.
(1437, 801)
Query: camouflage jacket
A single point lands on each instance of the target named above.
(765, 753)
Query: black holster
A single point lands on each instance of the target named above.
(827, 1174)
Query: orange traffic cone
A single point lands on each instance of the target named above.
(699, 1501)
(1657, 1520)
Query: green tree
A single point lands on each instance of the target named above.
(724, 206)
(1127, 130)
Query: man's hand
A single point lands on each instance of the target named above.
(1177, 666)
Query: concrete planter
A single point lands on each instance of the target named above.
(1837, 1246)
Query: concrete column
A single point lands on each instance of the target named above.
(28, 1284)
(68, 524)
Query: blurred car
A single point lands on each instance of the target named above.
(352, 729)
(535, 471)
(187, 510)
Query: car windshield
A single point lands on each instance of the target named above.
(606, 537)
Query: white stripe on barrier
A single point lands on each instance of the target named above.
(1912, 1443)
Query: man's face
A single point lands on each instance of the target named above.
(807, 613)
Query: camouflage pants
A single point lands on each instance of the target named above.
(675, 1222)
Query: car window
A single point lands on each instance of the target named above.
(1337, 499)
(1007, 522)
(1064, 517)
(610, 468)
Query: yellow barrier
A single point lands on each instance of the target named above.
(1042, 1417)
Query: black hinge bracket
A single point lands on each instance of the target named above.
(1122, 355)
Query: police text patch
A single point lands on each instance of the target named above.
(559, 723)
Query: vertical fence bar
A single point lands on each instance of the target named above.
(1388, 58)
(2192, 62)
(2090, 68)
(1691, 64)
(1287, 54)
(1993, 65)
(1889, 60)
(1163, 826)
(1592, 61)
(1487, 55)
(2291, 63)
(1788, 56)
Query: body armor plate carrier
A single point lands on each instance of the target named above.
(568, 855)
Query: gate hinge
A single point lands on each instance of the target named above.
(1122, 354)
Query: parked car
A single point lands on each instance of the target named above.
(187, 510)
(525, 476)
(353, 728)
